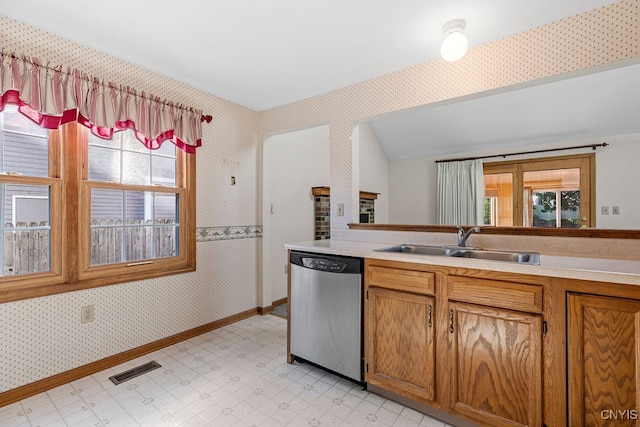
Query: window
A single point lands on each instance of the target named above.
(133, 221)
(137, 209)
(552, 198)
(29, 189)
(546, 192)
(127, 212)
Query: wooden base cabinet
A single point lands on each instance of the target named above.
(400, 342)
(495, 329)
(400, 329)
(603, 349)
(475, 344)
(467, 345)
(497, 365)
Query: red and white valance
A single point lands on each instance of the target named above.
(51, 97)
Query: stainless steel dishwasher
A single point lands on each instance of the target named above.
(325, 309)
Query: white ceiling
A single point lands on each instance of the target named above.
(579, 108)
(262, 54)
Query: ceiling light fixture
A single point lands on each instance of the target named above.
(455, 42)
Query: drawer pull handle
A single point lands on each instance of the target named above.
(451, 321)
(429, 319)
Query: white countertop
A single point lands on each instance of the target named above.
(598, 269)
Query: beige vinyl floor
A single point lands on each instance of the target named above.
(233, 376)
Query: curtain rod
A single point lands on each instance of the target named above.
(204, 118)
(592, 146)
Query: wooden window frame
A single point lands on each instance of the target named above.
(70, 235)
(585, 162)
(17, 284)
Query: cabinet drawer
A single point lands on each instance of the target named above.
(495, 293)
(420, 282)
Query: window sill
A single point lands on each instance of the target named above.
(16, 293)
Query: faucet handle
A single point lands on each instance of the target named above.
(462, 236)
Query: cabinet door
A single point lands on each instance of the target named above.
(603, 352)
(399, 351)
(497, 370)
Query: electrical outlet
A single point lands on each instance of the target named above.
(604, 210)
(87, 314)
(615, 210)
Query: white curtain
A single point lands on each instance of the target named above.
(460, 193)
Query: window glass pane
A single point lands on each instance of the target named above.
(104, 164)
(138, 242)
(166, 241)
(25, 203)
(130, 142)
(13, 121)
(106, 205)
(498, 189)
(126, 160)
(166, 208)
(167, 148)
(106, 226)
(111, 143)
(25, 146)
(106, 241)
(570, 209)
(137, 206)
(164, 171)
(26, 229)
(123, 228)
(25, 154)
(490, 212)
(544, 190)
(136, 168)
(544, 208)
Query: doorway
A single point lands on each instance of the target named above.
(292, 163)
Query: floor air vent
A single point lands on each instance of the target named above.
(135, 372)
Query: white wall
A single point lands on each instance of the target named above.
(617, 181)
(373, 170)
(412, 191)
(413, 182)
(293, 163)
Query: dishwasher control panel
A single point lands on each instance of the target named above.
(323, 265)
(328, 263)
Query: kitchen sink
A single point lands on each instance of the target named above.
(418, 249)
(463, 252)
(519, 257)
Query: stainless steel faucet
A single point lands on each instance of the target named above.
(462, 236)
